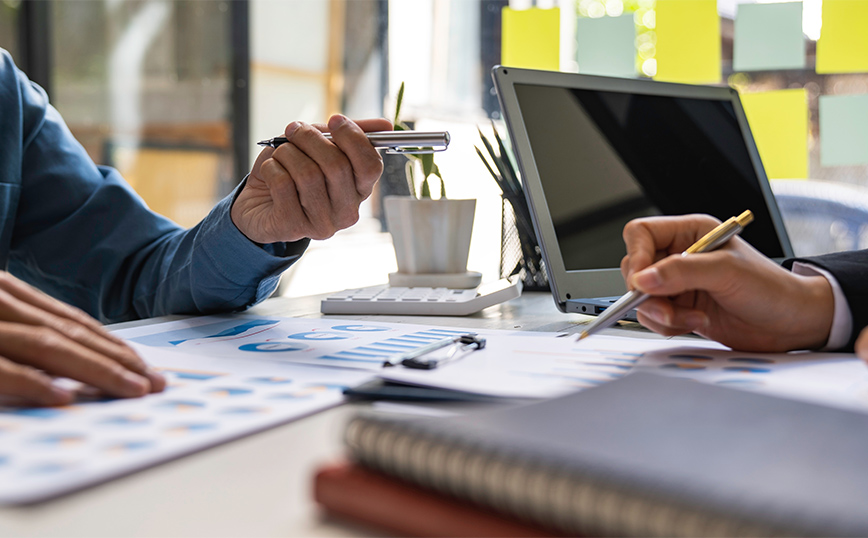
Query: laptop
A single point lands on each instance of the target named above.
(595, 152)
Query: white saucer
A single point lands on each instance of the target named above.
(467, 280)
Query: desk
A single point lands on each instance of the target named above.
(256, 486)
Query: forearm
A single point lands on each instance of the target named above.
(210, 268)
(118, 261)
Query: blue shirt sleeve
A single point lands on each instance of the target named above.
(80, 233)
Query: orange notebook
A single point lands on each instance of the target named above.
(350, 491)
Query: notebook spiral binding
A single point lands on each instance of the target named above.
(554, 498)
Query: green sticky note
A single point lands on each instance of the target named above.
(843, 130)
(531, 38)
(606, 46)
(843, 43)
(688, 41)
(768, 36)
(779, 124)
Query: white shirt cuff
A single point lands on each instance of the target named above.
(842, 319)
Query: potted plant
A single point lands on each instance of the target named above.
(431, 236)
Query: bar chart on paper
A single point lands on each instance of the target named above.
(307, 341)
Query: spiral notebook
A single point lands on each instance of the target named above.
(645, 455)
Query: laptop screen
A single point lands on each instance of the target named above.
(606, 157)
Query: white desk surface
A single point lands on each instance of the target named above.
(256, 486)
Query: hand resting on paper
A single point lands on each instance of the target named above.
(41, 337)
(310, 187)
(734, 295)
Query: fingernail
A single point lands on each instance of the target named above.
(158, 381)
(291, 128)
(336, 121)
(696, 320)
(660, 316)
(59, 395)
(648, 279)
(137, 382)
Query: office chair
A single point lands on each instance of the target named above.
(823, 216)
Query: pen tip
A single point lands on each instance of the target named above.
(583, 335)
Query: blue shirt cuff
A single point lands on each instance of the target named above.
(239, 259)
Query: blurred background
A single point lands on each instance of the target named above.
(175, 93)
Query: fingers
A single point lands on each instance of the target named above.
(717, 272)
(367, 165)
(39, 330)
(310, 186)
(30, 385)
(324, 174)
(665, 317)
(653, 238)
(32, 309)
(55, 353)
(299, 182)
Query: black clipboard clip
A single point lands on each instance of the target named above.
(416, 358)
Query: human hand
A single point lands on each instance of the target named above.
(309, 186)
(42, 337)
(734, 295)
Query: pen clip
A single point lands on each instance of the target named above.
(400, 150)
(414, 359)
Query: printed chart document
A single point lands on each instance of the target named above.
(229, 376)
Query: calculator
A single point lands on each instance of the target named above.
(420, 301)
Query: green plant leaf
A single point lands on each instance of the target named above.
(428, 165)
(397, 121)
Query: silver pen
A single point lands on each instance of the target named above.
(394, 141)
(633, 298)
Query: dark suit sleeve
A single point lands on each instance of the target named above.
(850, 268)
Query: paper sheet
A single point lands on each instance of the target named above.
(45, 452)
(768, 36)
(531, 38)
(780, 127)
(230, 376)
(536, 366)
(843, 43)
(688, 41)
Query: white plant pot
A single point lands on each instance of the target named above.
(430, 236)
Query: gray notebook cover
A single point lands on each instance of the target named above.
(776, 465)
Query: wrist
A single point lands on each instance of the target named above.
(816, 312)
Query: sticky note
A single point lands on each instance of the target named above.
(688, 41)
(779, 122)
(768, 36)
(843, 130)
(843, 43)
(531, 38)
(606, 46)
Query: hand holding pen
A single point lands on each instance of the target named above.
(311, 187)
(633, 298)
(734, 295)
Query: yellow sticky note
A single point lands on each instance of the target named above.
(688, 41)
(843, 43)
(531, 38)
(780, 127)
